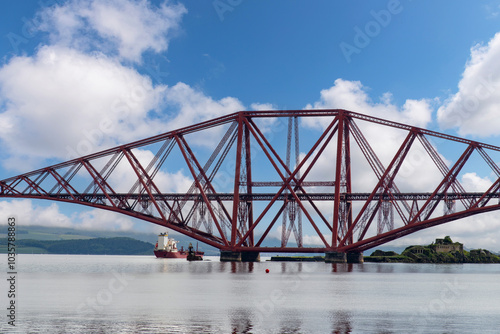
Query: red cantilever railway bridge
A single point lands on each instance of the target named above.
(246, 186)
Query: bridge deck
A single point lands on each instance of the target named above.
(267, 196)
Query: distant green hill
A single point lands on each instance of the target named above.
(96, 246)
(66, 233)
(34, 234)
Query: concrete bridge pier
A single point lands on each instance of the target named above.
(355, 257)
(335, 257)
(230, 256)
(341, 257)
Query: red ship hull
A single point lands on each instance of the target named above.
(175, 255)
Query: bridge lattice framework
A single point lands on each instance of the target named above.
(274, 188)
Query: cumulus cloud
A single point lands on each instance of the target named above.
(28, 213)
(417, 174)
(76, 96)
(126, 28)
(352, 95)
(80, 94)
(98, 219)
(262, 106)
(308, 240)
(480, 231)
(473, 110)
(270, 126)
(62, 101)
(193, 106)
(167, 181)
(474, 183)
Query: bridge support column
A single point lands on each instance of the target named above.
(250, 256)
(335, 257)
(355, 257)
(341, 257)
(229, 256)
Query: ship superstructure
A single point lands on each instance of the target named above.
(167, 248)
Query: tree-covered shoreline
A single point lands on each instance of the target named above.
(433, 253)
(94, 246)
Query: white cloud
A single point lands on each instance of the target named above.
(418, 173)
(474, 108)
(30, 214)
(262, 106)
(315, 240)
(474, 183)
(480, 231)
(62, 101)
(194, 107)
(127, 28)
(308, 240)
(352, 96)
(98, 219)
(269, 125)
(76, 97)
(168, 181)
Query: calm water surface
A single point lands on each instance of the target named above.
(142, 294)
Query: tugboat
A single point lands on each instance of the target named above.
(194, 255)
(167, 248)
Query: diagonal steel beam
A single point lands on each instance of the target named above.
(99, 181)
(185, 151)
(431, 151)
(427, 209)
(208, 180)
(377, 167)
(286, 181)
(63, 183)
(33, 185)
(139, 171)
(383, 184)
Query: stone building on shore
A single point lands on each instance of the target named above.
(447, 246)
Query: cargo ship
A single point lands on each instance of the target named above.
(167, 248)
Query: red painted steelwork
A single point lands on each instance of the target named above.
(222, 207)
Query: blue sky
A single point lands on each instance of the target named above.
(278, 48)
(409, 61)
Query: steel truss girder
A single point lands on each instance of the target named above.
(293, 191)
